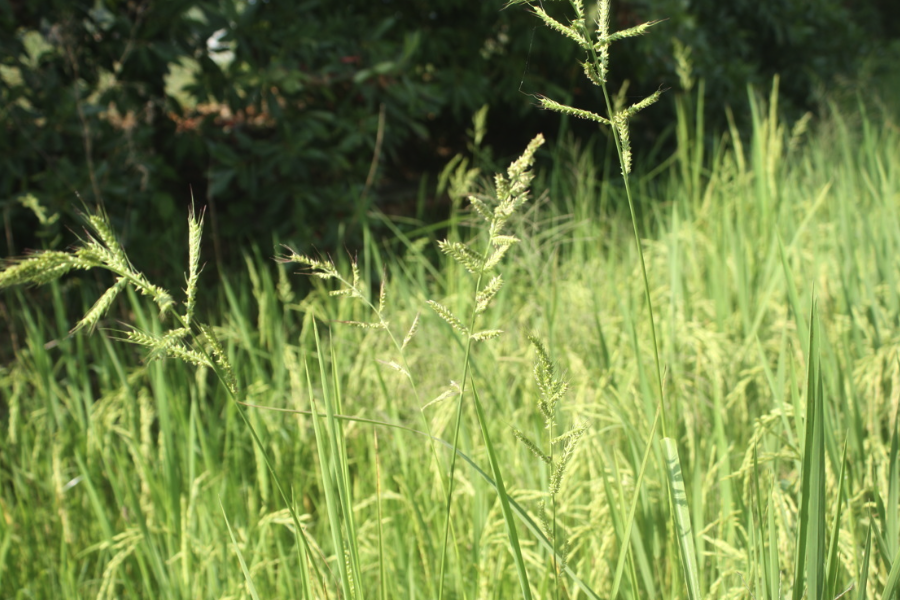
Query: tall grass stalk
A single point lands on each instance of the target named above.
(596, 45)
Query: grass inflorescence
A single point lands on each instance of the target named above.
(402, 431)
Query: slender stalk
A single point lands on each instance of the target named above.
(456, 427)
(553, 511)
(637, 243)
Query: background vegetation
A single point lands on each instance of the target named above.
(270, 112)
(770, 255)
(127, 476)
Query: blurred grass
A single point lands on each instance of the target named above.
(772, 270)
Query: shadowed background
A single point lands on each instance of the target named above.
(269, 113)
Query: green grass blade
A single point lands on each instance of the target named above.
(636, 553)
(530, 524)
(327, 468)
(619, 527)
(864, 567)
(793, 296)
(773, 562)
(682, 516)
(892, 506)
(629, 522)
(811, 516)
(96, 502)
(342, 471)
(815, 578)
(382, 571)
(769, 572)
(504, 498)
(303, 544)
(892, 587)
(833, 562)
(250, 587)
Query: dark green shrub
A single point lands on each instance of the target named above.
(270, 111)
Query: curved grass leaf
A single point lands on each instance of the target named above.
(237, 550)
(810, 545)
(864, 567)
(504, 498)
(682, 515)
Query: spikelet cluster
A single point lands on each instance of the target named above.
(511, 192)
(219, 356)
(351, 287)
(595, 45)
(121, 547)
(42, 268)
(31, 202)
(323, 269)
(100, 248)
(354, 286)
(195, 234)
(168, 345)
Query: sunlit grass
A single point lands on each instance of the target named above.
(771, 267)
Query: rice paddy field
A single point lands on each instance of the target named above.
(294, 444)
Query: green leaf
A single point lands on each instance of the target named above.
(244, 569)
(680, 508)
(891, 523)
(629, 521)
(833, 563)
(864, 567)
(893, 583)
(810, 541)
(511, 532)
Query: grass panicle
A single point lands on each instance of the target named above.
(558, 452)
(511, 193)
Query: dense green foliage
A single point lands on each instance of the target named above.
(271, 111)
(712, 408)
(126, 477)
